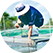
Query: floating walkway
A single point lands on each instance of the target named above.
(25, 42)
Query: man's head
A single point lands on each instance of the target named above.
(21, 9)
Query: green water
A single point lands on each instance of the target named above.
(24, 32)
(46, 31)
(14, 32)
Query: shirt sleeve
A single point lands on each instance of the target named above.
(18, 17)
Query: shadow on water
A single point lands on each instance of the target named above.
(43, 47)
(23, 49)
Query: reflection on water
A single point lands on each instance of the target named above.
(41, 48)
(24, 49)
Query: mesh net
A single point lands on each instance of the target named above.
(16, 32)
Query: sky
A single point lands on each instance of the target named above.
(42, 9)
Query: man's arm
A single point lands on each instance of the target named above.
(30, 32)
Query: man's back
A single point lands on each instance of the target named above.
(35, 12)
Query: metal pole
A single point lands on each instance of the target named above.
(4, 24)
(49, 20)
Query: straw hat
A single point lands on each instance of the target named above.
(21, 9)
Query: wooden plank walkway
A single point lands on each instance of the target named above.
(25, 42)
(15, 41)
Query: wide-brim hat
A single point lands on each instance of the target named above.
(21, 9)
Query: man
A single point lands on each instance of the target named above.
(28, 15)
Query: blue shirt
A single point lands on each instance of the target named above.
(30, 16)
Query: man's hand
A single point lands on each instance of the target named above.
(17, 25)
(30, 32)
